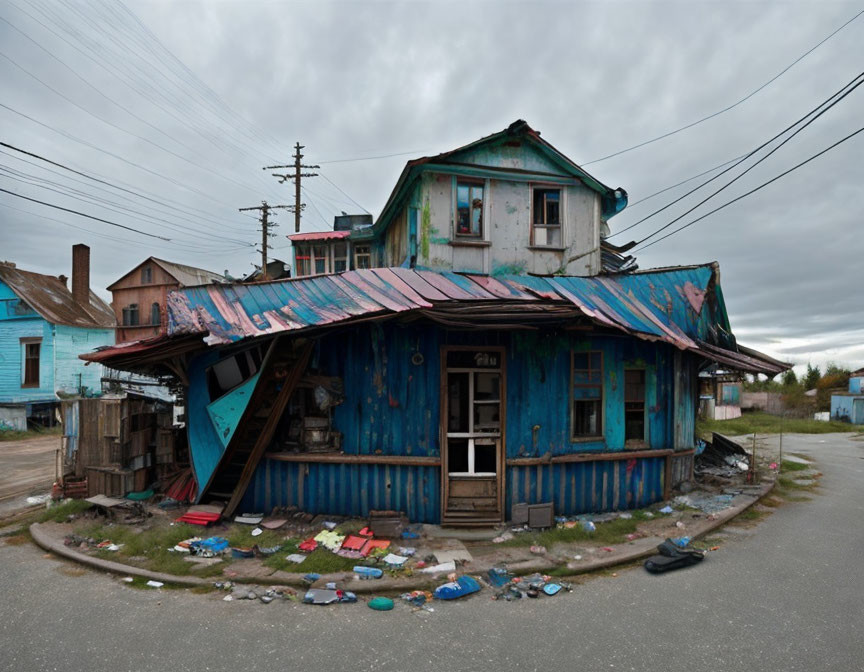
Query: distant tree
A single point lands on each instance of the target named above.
(811, 377)
(789, 379)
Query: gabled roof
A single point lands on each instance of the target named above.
(614, 200)
(50, 297)
(676, 306)
(186, 276)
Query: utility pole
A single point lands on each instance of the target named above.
(297, 176)
(266, 224)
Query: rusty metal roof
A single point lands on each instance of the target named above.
(186, 276)
(49, 296)
(680, 306)
(319, 235)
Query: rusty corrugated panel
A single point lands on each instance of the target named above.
(668, 305)
(319, 235)
(52, 300)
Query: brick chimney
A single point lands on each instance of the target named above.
(81, 274)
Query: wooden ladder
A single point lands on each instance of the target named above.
(281, 371)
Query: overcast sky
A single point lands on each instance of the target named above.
(185, 102)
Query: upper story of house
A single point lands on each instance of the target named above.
(44, 327)
(139, 297)
(507, 203)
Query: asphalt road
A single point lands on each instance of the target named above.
(785, 596)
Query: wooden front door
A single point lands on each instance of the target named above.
(472, 435)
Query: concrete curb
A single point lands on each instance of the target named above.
(647, 548)
(43, 540)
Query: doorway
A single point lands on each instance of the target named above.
(472, 455)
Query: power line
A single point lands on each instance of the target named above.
(815, 111)
(344, 194)
(69, 136)
(168, 203)
(82, 214)
(91, 199)
(733, 105)
(128, 132)
(678, 184)
(372, 158)
(752, 191)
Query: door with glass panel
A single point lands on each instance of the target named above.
(473, 426)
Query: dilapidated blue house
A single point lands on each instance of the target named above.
(447, 396)
(44, 326)
(479, 345)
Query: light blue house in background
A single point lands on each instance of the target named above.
(849, 406)
(43, 328)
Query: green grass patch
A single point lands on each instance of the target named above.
(320, 561)
(612, 532)
(240, 536)
(61, 512)
(751, 514)
(785, 483)
(19, 538)
(763, 423)
(788, 465)
(16, 435)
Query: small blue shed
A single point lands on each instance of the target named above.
(43, 328)
(849, 406)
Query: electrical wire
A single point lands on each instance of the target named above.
(682, 182)
(753, 191)
(82, 214)
(733, 105)
(344, 194)
(842, 93)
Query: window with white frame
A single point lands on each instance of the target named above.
(546, 217)
(362, 256)
(473, 412)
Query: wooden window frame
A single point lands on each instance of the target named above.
(302, 257)
(358, 254)
(25, 343)
(345, 258)
(127, 311)
(561, 209)
(602, 424)
(471, 183)
(147, 275)
(157, 313)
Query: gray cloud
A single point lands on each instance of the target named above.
(352, 79)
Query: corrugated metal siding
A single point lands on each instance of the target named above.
(586, 487)
(205, 448)
(346, 489)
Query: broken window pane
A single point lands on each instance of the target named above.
(485, 460)
(634, 405)
(458, 402)
(486, 386)
(487, 417)
(457, 456)
(586, 418)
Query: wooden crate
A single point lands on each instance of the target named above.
(110, 482)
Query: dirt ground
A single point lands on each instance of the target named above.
(27, 465)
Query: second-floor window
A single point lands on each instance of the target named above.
(546, 218)
(340, 257)
(130, 315)
(469, 209)
(155, 315)
(362, 256)
(146, 275)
